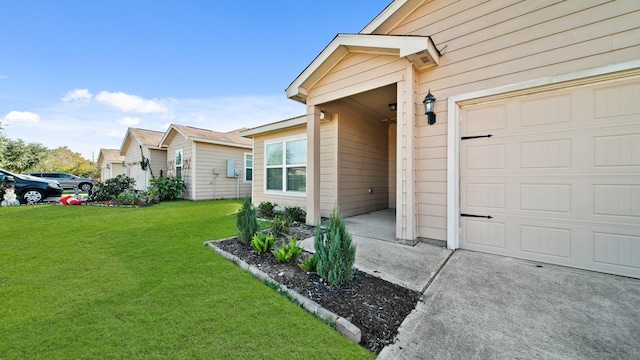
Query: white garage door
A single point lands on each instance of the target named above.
(558, 180)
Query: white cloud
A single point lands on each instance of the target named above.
(81, 95)
(130, 103)
(22, 116)
(2, 77)
(129, 121)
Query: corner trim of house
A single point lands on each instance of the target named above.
(527, 87)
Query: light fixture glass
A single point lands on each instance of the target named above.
(393, 107)
(429, 102)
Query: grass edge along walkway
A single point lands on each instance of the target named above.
(102, 282)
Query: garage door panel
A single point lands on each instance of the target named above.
(622, 250)
(560, 177)
(545, 240)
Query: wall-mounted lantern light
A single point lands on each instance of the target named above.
(429, 102)
(393, 107)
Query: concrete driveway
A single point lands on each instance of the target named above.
(482, 306)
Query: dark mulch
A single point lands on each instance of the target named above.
(377, 307)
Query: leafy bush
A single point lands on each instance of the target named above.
(288, 252)
(246, 221)
(280, 225)
(262, 242)
(127, 197)
(111, 188)
(309, 263)
(167, 188)
(336, 253)
(295, 214)
(266, 209)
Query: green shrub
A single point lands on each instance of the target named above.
(111, 188)
(262, 242)
(167, 188)
(266, 209)
(288, 252)
(336, 253)
(280, 225)
(127, 197)
(295, 214)
(309, 263)
(246, 221)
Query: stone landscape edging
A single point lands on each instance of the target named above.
(344, 326)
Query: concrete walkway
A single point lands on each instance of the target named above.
(481, 306)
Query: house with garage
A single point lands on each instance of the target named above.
(144, 159)
(213, 164)
(511, 128)
(111, 163)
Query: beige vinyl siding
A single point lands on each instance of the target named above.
(328, 170)
(364, 163)
(158, 162)
(132, 160)
(210, 186)
(115, 169)
(357, 73)
(175, 142)
(496, 43)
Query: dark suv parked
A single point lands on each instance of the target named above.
(67, 181)
(30, 189)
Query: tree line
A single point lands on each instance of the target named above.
(18, 156)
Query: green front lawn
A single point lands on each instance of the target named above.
(124, 283)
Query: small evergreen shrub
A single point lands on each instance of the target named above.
(246, 221)
(111, 188)
(288, 252)
(295, 214)
(335, 250)
(167, 188)
(280, 225)
(127, 197)
(266, 209)
(309, 263)
(262, 242)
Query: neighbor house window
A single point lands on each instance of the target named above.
(248, 167)
(179, 163)
(286, 165)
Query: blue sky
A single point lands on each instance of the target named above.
(78, 73)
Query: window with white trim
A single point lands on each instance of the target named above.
(248, 167)
(179, 163)
(286, 165)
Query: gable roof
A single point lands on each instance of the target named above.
(231, 138)
(109, 155)
(148, 138)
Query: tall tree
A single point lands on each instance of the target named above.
(64, 160)
(20, 156)
(2, 145)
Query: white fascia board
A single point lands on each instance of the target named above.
(275, 126)
(224, 143)
(342, 44)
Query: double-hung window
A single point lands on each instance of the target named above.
(286, 165)
(248, 167)
(179, 163)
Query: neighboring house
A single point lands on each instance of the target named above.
(111, 164)
(139, 145)
(535, 149)
(212, 164)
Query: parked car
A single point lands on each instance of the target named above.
(66, 180)
(29, 188)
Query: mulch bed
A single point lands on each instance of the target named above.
(377, 307)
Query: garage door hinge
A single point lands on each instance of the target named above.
(477, 216)
(476, 137)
